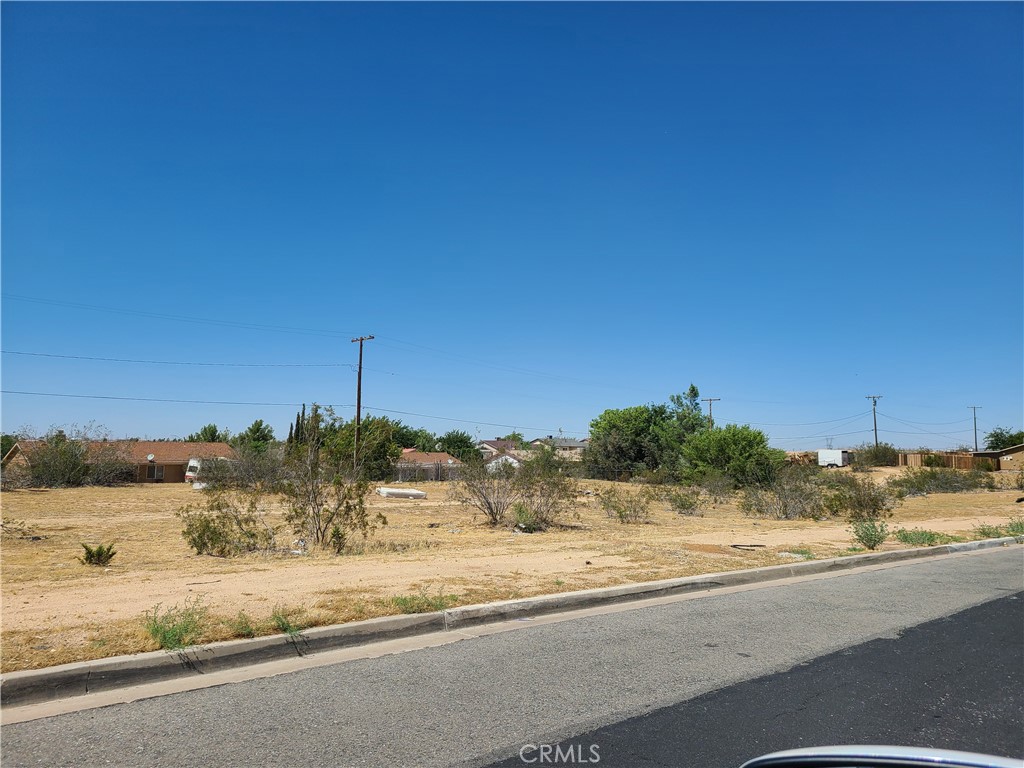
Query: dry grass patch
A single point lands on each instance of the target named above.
(57, 610)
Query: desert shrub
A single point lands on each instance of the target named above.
(627, 506)
(984, 465)
(1018, 481)
(870, 455)
(532, 495)
(546, 489)
(855, 498)
(488, 489)
(63, 460)
(933, 460)
(716, 485)
(58, 461)
(176, 627)
(985, 531)
(226, 525)
(1016, 526)
(870, 533)
(917, 482)
(109, 465)
(917, 537)
(99, 555)
(685, 501)
(795, 494)
(525, 520)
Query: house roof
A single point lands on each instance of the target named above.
(138, 451)
(421, 457)
(1001, 452)
(499, 445)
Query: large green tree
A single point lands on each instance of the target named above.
(257, 438)
(1001, 438)
(460, 445)
(209, 434)
(740, 452)
(643, 438)
(408, 437)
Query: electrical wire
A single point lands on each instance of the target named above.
(184, 362)
(367, 408)
(152, 399)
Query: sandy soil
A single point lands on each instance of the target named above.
(56, 609)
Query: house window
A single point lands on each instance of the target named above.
(155, 472)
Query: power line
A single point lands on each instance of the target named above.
(922, 432)
(182, 362)
(177, 318)
(148, 399)
(801, 424)
(549, 430)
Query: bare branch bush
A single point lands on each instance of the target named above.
(627, 506)
(325, 505)
(490, 489)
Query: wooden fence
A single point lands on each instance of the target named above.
(947, 459)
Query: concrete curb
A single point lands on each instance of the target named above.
(80, 678)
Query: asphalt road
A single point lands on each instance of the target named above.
(952, 683)
(692, 683)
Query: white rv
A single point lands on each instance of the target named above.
(833, 458)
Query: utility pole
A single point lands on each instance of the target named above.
(359, 400)
(709, 401)
(975, 409)
(874, 415)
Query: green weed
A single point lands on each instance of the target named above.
(176, 627)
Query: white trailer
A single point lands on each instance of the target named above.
(833, 458)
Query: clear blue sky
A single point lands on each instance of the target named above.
(540, 211)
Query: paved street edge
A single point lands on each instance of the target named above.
(81, 678)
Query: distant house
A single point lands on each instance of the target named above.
(421, 465)
(155, 461)
(496, 447)
(1007, 458)
(502, 460)
(567, 448)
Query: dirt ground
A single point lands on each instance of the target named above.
(56, 609)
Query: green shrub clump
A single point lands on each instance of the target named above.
(176, 627)
(98, 555)
(685, 501)
(801, 492)
(870, 533)
(984, 531)
(224, 528)
(627, 506)
(917, 537)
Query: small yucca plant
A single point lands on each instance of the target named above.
(98, 555)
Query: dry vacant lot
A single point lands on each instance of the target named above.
(57, 610)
